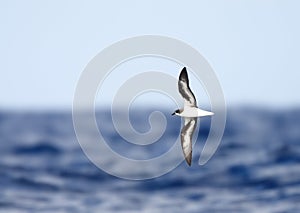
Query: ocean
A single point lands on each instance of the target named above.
(255, 169)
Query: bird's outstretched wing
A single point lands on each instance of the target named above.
(186, 138)
(184, 89)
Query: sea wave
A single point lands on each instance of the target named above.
(255, 169)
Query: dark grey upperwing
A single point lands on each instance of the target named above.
(186, 138)
(184, 89)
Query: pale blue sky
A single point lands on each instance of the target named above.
(252, 45)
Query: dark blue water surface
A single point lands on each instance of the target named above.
(256, 168)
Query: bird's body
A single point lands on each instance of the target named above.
(194, 112)
(190, 113)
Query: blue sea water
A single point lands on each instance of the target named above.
(255, 169)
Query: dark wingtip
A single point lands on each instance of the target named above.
(189, 162)
(183, 74)
(189, 159)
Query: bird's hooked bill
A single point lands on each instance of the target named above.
(173, 113)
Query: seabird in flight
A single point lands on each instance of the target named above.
(190, 113)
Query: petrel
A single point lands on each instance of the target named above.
(190, 113)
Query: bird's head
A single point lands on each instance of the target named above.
(177, 112)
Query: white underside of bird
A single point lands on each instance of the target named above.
(193, 112)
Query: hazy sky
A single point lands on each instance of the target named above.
(252, 45)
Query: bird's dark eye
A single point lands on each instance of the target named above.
(177, 111)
